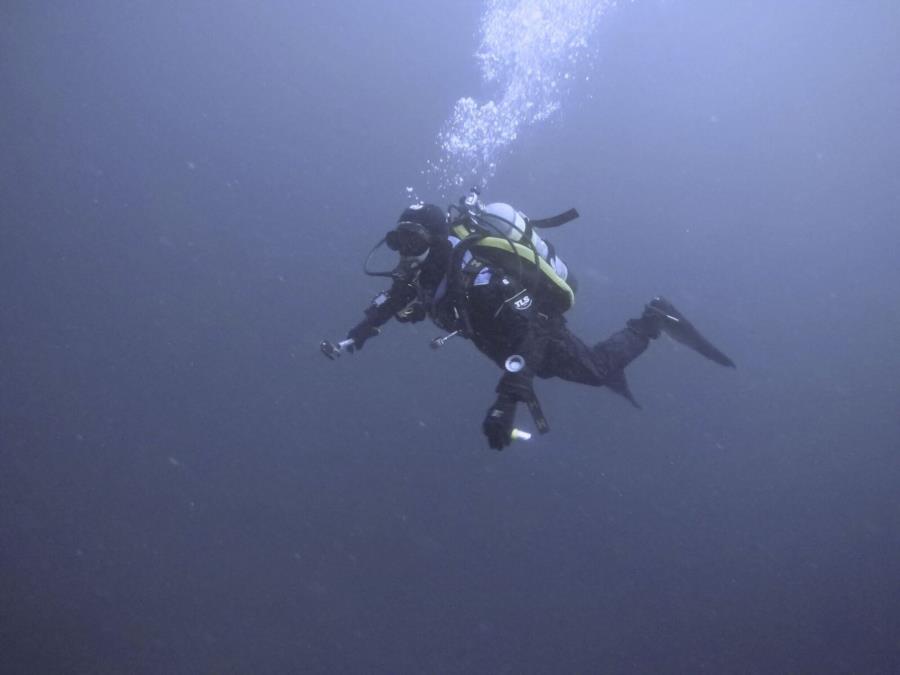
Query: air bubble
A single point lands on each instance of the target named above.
(527, 48)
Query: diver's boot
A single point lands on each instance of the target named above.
(661, 315)
(648, 325)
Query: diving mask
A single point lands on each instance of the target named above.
(408, 239)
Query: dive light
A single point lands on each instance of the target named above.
(333, 351)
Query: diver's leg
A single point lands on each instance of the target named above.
(604, 364)
(622, 347)
(572, 360)
(569, 358)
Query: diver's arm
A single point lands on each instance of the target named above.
(385, 305)
(518, 325)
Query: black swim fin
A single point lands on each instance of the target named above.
(619, 384)
(676, 326)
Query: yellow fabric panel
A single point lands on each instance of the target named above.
(461, 231)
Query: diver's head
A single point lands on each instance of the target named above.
(419, 227)
(408, 239)
(420, 234)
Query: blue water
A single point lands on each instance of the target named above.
(187, 192)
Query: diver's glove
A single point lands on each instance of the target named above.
(412, 313)
(498, 423)
(360, 333)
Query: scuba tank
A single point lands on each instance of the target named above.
(502, 236)
(513, 225)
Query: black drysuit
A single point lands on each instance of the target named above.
(505, 318)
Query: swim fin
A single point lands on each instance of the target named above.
(617, 382)
(676, 326)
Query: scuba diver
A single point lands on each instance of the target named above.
(482, 272)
